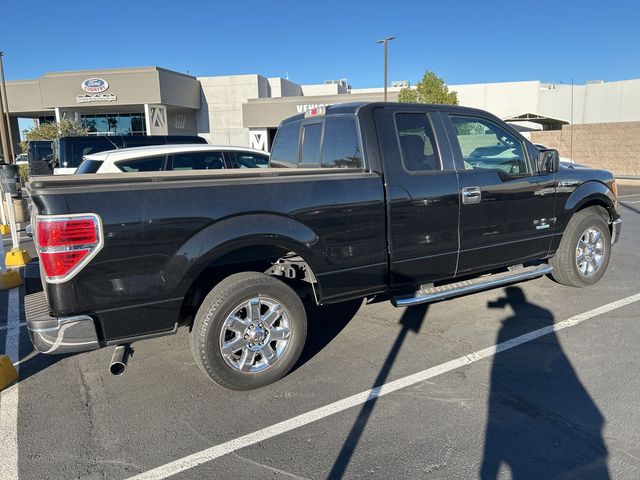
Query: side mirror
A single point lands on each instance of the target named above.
(548, 161)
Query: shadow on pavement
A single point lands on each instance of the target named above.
(324, 324)
(629, 207)
(541, 421)
(411, 320)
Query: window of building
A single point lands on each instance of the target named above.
(115, 124)
(198, 161)
(149, 164)
(487, 146)
(417, 142)
(341, 147)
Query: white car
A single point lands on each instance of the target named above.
(158, 158)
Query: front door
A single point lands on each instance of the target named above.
(506, 211)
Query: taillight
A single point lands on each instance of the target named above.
(67, 243)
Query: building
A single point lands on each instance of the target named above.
(247, 109)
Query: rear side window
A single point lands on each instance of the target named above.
(249, 160)
(285, 146)
(417, 142)
(311, 138)
(341, 147)
(198, 161)
(89, 166)
(149, 164)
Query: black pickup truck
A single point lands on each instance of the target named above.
(401, 202)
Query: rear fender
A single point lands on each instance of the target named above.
(233, 233)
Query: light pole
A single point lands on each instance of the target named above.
(11, 158)
(385, 41)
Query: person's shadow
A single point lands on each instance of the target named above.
(541, 422)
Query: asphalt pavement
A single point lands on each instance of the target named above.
(447, 393)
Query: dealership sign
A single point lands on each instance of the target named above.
(94, 85)
(96, 97)
(305, 107)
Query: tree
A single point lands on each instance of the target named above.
(431, 89)
(52, 131)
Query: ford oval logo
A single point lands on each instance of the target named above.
(94, 85)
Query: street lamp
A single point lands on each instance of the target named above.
(385, 41)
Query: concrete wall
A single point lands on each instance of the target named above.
(220, 117)
(502, 99)
(593, 103)
(281, 87)
(323, 89)
(612, 146)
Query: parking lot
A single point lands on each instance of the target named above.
(536, 380)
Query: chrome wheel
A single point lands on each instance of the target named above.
(590, 252)
(255, 335)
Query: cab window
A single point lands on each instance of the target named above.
(341, 147)
(417, 142)
(487, 146)
(311, 138)
(285, 146)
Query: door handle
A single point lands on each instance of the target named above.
(471, 195)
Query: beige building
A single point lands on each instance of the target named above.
(247, 109)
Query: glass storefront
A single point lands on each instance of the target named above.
(115, 124)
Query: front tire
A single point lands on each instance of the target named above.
(249, 331)
(584, 251)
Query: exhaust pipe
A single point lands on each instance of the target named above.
(119, 359)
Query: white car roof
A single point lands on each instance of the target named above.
(150, 150)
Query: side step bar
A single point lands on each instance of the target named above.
(470, 286)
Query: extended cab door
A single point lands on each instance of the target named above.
(422, 195)
(507, 209)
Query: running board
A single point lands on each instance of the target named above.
(470, 286)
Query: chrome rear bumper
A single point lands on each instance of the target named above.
(58, 334)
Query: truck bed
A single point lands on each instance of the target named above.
(49, 184)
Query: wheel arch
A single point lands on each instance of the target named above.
(590, 194)
(243, 243)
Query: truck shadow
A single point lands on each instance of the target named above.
(629, 207)
(411, 320)
(324, 324)
(541, 421)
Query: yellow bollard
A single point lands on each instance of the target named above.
(10, 279)
(8, 373)
(5, 229)
(16, 257)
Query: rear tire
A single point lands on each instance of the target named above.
(584, 251)
(249, 331)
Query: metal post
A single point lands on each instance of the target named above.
(4, 217)
(385, 41)
(5, 101)
(3, 131)
(12, 222)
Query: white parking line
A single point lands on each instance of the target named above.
(625, 202)
(9, 397)
(198, 458)
(631, 195)
(5, 327)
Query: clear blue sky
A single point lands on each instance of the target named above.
(462, 41)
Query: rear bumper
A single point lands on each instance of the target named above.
(616, 227)
(58, 334)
